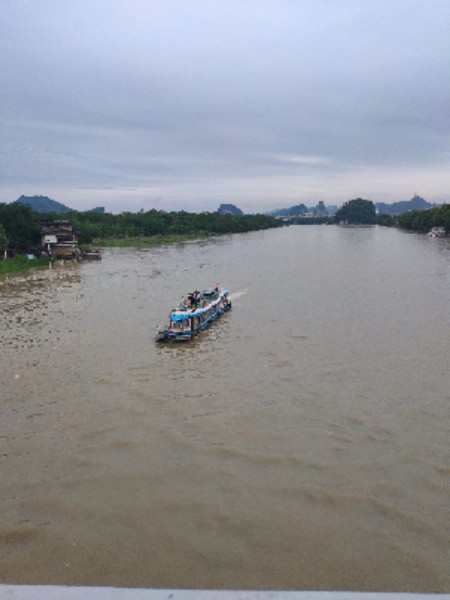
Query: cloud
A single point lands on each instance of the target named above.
(256, 103)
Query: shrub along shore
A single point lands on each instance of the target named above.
(20, 263)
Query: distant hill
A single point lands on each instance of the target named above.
(44, 204)
(229, 209)
(397, 208)
(416, 203)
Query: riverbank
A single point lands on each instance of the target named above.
(20, 263)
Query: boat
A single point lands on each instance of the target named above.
(194, 314)
(437, 232)
(90, 255)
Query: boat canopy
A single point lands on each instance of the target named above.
(181, 316)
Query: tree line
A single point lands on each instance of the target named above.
(20, 226)
(363, 211)
(424, 220)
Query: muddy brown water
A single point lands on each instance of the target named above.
(301, 442)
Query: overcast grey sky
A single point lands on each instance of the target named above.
(185, 104)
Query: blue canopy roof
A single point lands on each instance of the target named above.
(181, 316)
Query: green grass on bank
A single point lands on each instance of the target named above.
(19, 263)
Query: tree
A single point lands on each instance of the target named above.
(386, 220)
(3, 241)
(21, 226)
(423, 220)
(357, 212)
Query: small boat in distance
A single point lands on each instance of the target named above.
(194, 314)
(437, 232)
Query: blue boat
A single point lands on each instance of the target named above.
(194, 314)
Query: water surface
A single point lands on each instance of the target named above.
(302, 442)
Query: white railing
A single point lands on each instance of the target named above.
(56, 592)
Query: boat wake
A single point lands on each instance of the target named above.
(235, 295)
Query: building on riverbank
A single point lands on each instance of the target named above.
(59, 239)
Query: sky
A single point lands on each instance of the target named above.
(187, 104)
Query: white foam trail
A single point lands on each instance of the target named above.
(236, 295)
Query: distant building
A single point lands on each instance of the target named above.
(59, 240)
(320, 210)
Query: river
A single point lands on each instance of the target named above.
(301, 442)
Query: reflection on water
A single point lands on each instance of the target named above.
(300, 442)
